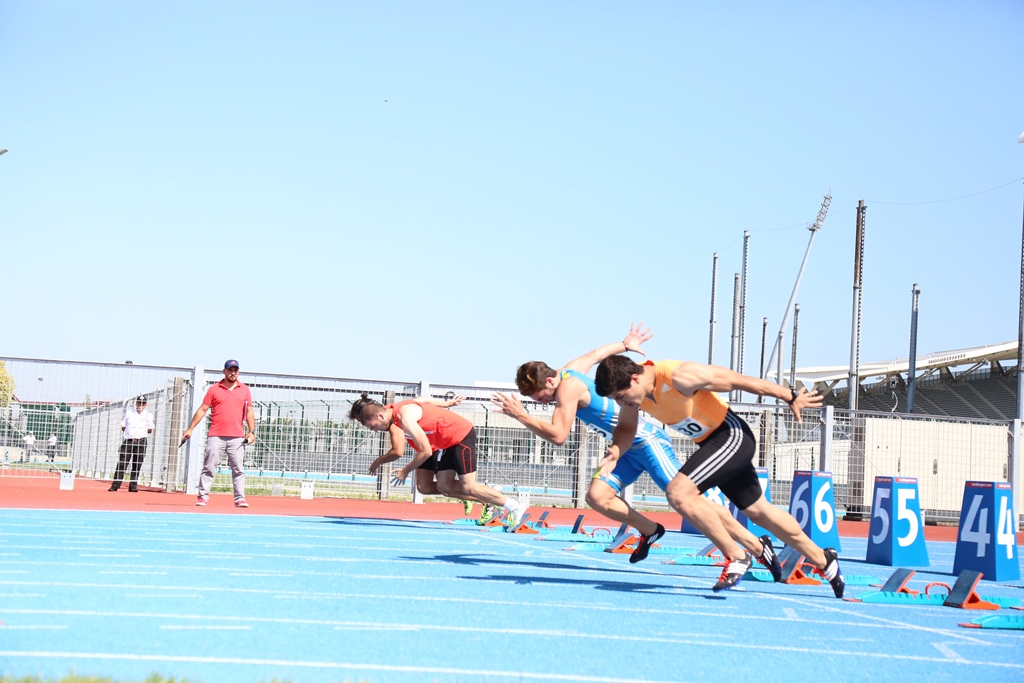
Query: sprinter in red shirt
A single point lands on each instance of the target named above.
(445, 446)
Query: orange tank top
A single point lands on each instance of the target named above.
(443, 428)
(693, 416)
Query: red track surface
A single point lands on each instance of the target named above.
(45, 493)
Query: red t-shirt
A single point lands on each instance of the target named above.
(443, 428)
(229, 407)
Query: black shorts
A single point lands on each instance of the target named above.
(726, 459)
(430, 464)
(461, 457)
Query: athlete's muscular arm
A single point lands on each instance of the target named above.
(690, 377)
(454, 401)
(637, 336)
(567, 398)
(410, 415)
(397, 449)
(622, 440)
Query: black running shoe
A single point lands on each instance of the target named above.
(833, 573)
(639, 553)
(769, 559)
(733, 572)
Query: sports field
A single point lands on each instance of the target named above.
(221, 595)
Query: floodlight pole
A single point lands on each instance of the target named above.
(1020, 325)
(714, 295)
(1016, 450)
(777, 348)
(912, 369)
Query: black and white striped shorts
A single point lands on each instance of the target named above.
(726, 459)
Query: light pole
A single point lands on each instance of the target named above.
(1020, 325)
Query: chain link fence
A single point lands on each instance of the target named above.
(65, 416)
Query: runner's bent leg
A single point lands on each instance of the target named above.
(782, 524)
(686, 499)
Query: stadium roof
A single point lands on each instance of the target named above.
(977, 356)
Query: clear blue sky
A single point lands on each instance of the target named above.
(443, 190)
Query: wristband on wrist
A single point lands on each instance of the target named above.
(793, 397)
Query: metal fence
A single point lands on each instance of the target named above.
(304, 435)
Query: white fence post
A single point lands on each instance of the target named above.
(1014, 470)
(193, 453)
(417, 497)
(827, 423)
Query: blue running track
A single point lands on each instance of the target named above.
(230, 598)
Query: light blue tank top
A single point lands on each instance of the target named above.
(603, 413)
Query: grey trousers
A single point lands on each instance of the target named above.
(216, 447)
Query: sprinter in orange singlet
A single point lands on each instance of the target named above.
(685, 397)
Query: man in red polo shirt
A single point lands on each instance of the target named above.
(231, 403)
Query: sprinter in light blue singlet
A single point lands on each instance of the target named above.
(652, 450)
(574, 395)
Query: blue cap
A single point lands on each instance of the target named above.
(230, 364)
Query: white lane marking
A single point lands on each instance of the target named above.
(118, 555)
(790, 613)
(881, 622)
(261, 575)
(950, 653)
(162, 596)
(132, 573)
(186, 627)
(32, 627)
(418, 669)
(377, 627)
(13, 571)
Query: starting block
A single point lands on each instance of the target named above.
(542, 521)
(709, 556)
(1014, 623)
(522, 527)
(897, 583)
(624, 542)
(961, 595)
(792, 569)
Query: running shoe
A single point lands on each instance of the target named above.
(201, 502)
(487, 514)
(467, 505)
(832, 573)
(240, 503)
(639, 553)
(513, 518)
(733, 572)
(769, 559)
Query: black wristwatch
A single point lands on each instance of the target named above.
(793, 397)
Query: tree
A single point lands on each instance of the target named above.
(6, 386)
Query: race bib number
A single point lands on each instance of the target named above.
(691, 428)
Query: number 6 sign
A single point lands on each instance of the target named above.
(986, 541)
(896, 536)
(813, 505)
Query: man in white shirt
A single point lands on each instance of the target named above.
(30, 445)
(51, 448)
(136, 426)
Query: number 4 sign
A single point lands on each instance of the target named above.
(896, 537)
(813, 505)
(986, 541)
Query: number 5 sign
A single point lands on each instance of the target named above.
(986, 540)
(813, 505)
(896, 536)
